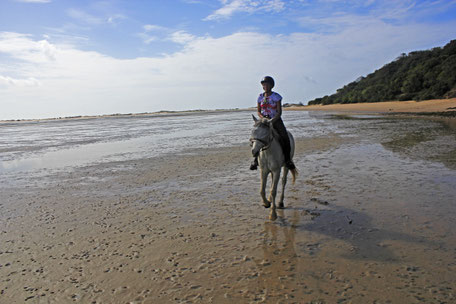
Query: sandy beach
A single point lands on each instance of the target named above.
(366, 222)
(437, 105)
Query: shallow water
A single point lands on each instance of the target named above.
(54, 144)
(50, 145)
(26, 146)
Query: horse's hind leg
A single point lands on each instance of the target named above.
(284, 183)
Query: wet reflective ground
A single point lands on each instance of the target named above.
(373, 223)
(28, 146)
(369, 220)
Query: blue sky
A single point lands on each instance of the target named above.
(64, 58)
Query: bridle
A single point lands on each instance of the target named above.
(266, 144)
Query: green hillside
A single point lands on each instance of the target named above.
(417, 76)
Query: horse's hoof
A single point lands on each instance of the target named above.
(281, 206)
(266, 205)
(273, 216)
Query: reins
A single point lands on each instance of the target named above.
(267, 145)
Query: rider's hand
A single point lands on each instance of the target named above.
(266, 121)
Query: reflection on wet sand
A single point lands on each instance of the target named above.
(431, 141)
(280, 257)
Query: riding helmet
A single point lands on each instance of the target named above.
(268, 79)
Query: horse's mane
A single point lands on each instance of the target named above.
(259, 123)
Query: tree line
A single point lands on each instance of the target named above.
(419, 75)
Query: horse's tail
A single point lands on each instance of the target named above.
(294, 174)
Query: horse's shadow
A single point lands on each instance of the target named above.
(366, 242)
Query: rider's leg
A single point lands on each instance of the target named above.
(284, 142)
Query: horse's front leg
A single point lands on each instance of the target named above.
(275, 183)
(284, 183)
(264, 179)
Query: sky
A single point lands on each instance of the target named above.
(63, 58)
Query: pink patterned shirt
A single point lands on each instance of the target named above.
(268, 105)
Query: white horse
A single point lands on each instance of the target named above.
(265, 144)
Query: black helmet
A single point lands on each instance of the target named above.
(268, 79)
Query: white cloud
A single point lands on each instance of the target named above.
(181, 37)
(113, 19)
(337, 18)
(250, 6)
(153, 33)
(42, 79)
(153, 27)
(84, 17)
(9, 81)
(22, 47)
(159, 33)
(146, 38)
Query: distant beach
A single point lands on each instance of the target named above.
(428, 106)
(166, 210)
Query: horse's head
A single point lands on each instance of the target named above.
(261, 136)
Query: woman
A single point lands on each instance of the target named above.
(269, 106)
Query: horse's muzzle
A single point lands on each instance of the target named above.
(255, 149)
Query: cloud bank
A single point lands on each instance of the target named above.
(43, 79)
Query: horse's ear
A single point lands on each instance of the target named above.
(254, 118)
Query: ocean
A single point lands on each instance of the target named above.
(56, 144)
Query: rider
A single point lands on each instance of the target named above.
(269, 106)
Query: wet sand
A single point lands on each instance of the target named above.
(358, 228)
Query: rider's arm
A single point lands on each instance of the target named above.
(259, 111)
(279, 112)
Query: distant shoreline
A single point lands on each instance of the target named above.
(144, 114)
(435, 107)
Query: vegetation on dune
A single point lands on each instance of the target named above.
(419, 75)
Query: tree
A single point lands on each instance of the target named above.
(418, 75)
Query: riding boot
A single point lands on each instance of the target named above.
(286, 153)
(254, 164)
(288, 162)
